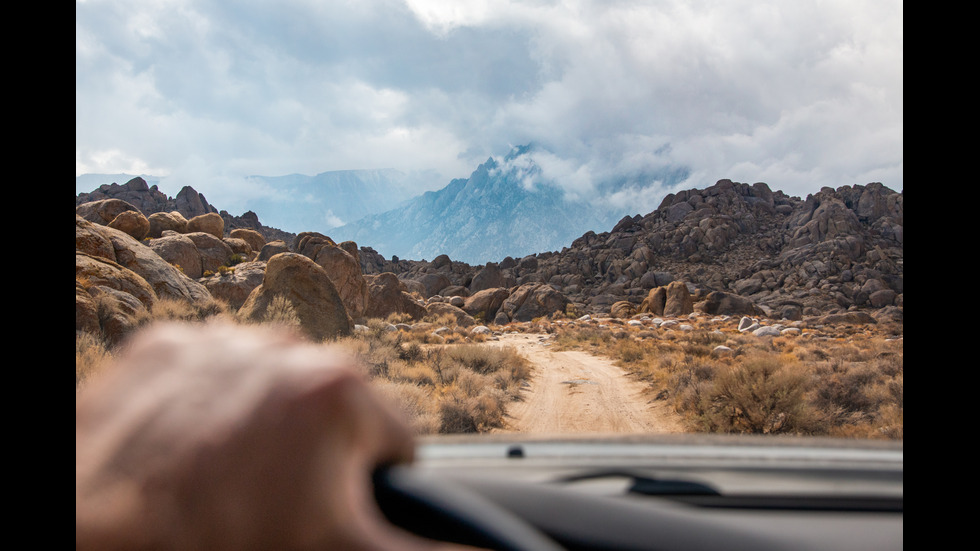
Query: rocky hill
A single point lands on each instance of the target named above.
(733, 248)
(788, 257)
(188, 203)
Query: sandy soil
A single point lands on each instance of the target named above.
(575, 392)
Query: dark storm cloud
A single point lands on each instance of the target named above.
(799, 95)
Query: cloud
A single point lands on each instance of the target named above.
(800, 95)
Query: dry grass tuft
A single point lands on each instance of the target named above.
(91, 355)
(442, 386)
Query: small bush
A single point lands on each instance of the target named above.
(172, 309)
(91, 355)
(412, 352)
(415, 402)
(629, 352)
(461, 412)
(398, 317)
(281, 312)
(759, 396)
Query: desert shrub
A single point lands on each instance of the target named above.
(489, 359)
(455, 416)
(398, 317)
(704, 338)
(471, 383)
(172, 310)
(889, 364)
(415, 402)
(175, 309)
(630, 352)
(281, 312)
(441, 320)
(91, 355)
(696, 349)
(461, 412)
(116, 321)
(382, 353)
(761, 395)
(417, 373)
(448, 388)
(689, 384)
(412, 352)
(845, 390)
(588, 336)
(445, 368)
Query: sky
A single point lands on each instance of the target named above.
(800, 95)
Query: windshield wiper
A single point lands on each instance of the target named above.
(647, 485)
(705, 495)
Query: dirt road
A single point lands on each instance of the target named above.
(575, 392)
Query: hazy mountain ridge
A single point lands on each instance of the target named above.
(319, 203)
(299, 202)
(500, 210)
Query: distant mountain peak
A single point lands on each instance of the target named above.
(503, 209)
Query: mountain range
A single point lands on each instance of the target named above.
(490, 215)
(298, 202)
(503, 209)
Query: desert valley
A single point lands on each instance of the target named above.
(734, 308)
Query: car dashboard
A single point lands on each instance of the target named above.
(673, 492)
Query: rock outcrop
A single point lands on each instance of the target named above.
(533, 300)
(188, 203)
(210, 223)
(308, 289)
(388, 295)
(165, 280)
(484, 305)
(343, 270)
(166, 221)
(234, 286)
(119, 279)
(834, 251)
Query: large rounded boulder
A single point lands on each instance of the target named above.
(131, 222)
(166, 221)
(254, 239)
(679, 300)
(722, 303)
(306, 286)
(533, 300)
(388, 295)
(235, 285)
(211, 223)
(345, 272)
(103, 211)
(484, 305)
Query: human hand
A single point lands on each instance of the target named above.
(222, 436)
